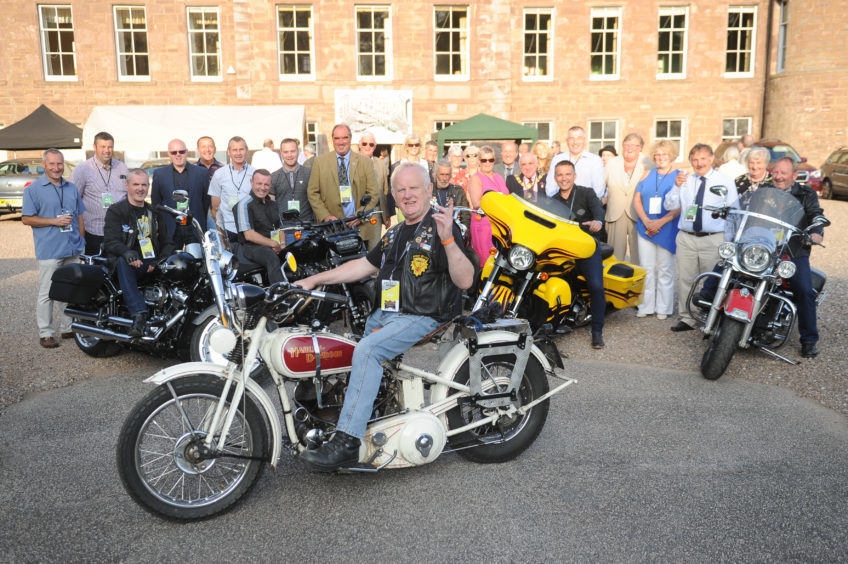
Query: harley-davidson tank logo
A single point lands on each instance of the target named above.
(299, 354)
(419, 264)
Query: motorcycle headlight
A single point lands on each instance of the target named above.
(229, 264)
(248, 295)
(521, 258)
(727, 250)
(756, 257)
(786, 269)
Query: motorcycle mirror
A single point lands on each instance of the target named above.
(719, 190)
(821, 220)
(180, 195)
(364, 200)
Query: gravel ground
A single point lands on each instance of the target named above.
(28, 368)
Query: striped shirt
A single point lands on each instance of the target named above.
(99, 188)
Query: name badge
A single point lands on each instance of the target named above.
(106, 200)
(294, 205)
(146, 248)
(691, 213)
(655, 205)
(346, 194)
(275, 235)
(390, 296)
(182, 206)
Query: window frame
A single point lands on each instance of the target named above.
(673, 11)
(387, 42)
(303, 77)
(736, 120)
(550, 52)
(133, 31)
(605, 12)
(602, 121)
(44, 53)
(682, 142)
(219, 51)
(465, 51)
(742, 9)
(311, 130)
(535, 123)
(782, 30)
(449, 123)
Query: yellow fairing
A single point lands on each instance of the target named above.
(517, 221)
(555, 292)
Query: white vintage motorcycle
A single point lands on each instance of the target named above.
(198, 442)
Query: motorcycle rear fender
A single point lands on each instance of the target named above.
(737, 306)
(255, 390)
(458, 354)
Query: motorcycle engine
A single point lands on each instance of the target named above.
(417, 438)
(154, 295)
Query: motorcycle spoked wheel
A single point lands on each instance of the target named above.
(95, 346)
(156, 447)
(722, 347)
(509, 436)
(200, 351)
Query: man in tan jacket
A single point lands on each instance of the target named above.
(338, 182)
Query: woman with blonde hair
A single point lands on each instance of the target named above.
(657, 229)
(543, 153)
(485, 180)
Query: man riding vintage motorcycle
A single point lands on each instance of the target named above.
(421, 272)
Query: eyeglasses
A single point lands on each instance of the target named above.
(366, 144)
(487, 160)
(413, 144)
(180, 152)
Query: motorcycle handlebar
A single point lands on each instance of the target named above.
(282, 290)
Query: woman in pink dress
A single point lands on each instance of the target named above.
(484, 180)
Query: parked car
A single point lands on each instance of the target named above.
(17, 174)
(150, 166)
(807, 173)
(834, 174)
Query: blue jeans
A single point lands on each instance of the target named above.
(128, 277)
(398, 332)
(805, 299)
(592, 269)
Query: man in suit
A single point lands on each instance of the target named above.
(181, 175)
(338, 182)
(507, 168)
(367, 144)
(289, 183)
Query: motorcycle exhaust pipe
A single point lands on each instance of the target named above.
(78, 313)
(301, 415)
(100, 333)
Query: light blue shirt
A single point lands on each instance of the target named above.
(589, 168)
(230, 185)
(683, 197)
(42, 198)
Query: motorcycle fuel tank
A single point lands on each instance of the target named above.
(301, 353)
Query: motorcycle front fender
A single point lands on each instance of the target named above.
(255, 390)
(739, 306)
(200, 318)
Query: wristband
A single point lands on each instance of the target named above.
(448, 242)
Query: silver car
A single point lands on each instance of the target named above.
(17, 174)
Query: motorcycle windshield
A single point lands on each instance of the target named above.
(770, 204)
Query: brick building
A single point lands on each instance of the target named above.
(686, 71)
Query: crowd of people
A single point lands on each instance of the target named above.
(641, 202)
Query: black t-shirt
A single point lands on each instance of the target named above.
(142, 226)
(262, 216)
(397, 252)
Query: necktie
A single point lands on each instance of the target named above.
(342, 172)
(699, 200)
(508, 170)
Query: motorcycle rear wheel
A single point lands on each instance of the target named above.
(156, 447)
(717, 357)
(95, 346)
(510, 436)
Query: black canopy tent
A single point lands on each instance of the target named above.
(484, 127)
(42, 129)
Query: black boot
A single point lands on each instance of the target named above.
(597, 340)
(139, 321)
(809, 350)
(341, 451)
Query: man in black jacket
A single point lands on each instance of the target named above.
(421, 269)
(589, 213)
(133, 233)
(181, 175)
(785, 172)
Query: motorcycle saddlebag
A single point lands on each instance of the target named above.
(623, 283)
(76, 283)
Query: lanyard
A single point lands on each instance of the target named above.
(233, 180)
(60, 195)
(405, 248)
(106, 181)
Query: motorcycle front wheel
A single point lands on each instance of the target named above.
(158, 459)
(717, 357)
(509, 436)
(201, 351)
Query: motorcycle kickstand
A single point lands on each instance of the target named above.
(781, 357)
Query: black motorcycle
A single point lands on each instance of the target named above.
(183, 293)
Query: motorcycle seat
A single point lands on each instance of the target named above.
(606, 251)
(245, 264)
(819, 278)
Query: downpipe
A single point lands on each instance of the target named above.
(110, 335)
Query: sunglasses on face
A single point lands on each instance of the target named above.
(181, 152)
(487, 160)
(366, 144)
(413, 144)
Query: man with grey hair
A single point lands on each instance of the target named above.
(367, 145)
(507, 168)
(732, 168)
(447, 194)
(528, 183)
(421, 271)
(229, 185)
(588, 166)
(53, 207)
(267, 158)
